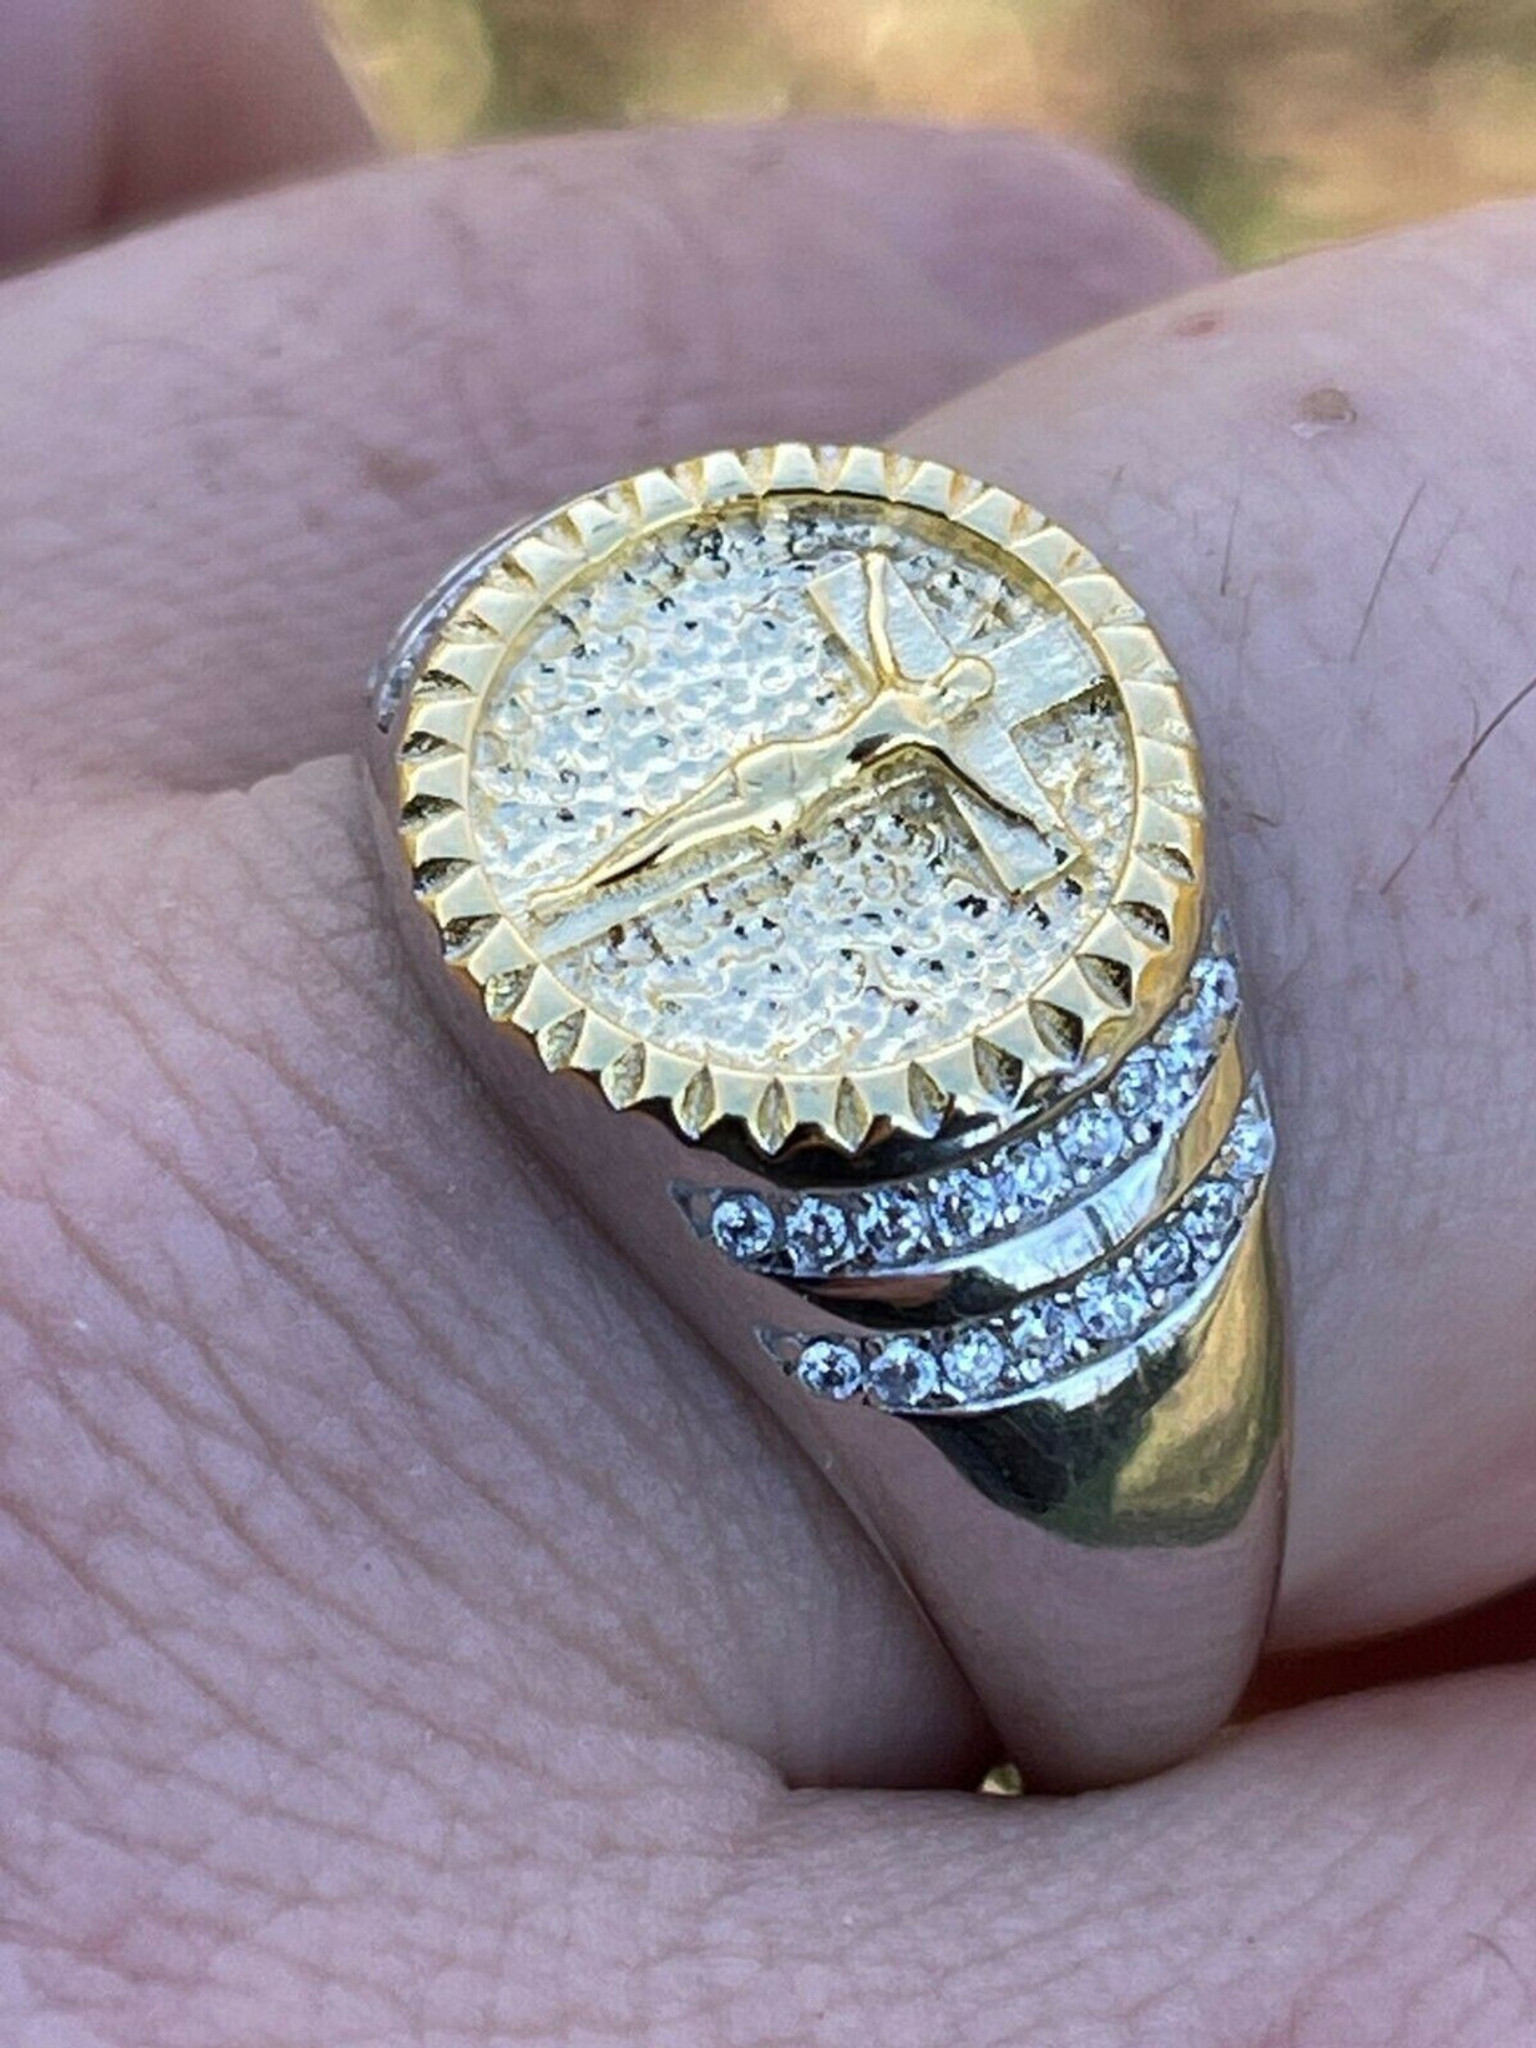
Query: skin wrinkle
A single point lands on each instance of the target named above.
(1321, 2036)
(233, 1519)
(590, 1590)
(400, 1532)
(1331, 1876)
(135, 1621)
(267, 1243)
(545, 381)
(199, 1429)
(365, 1838)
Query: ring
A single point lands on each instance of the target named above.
(842, 814)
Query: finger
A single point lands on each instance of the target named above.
(300, 1351)
(1304, 480)
(222, 518)
(302, 1348)
(112, 109)
(1354, 1873)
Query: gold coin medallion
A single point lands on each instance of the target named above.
(823, 790)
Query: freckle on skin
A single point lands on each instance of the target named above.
(394, 471)
(1194, 325)
(1322, 409)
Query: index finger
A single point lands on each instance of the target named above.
(231, 453)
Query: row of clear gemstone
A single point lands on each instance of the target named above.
(1025, 1182)
(1109, 1308)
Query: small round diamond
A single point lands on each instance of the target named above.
(1112, 1306)
(1041, 1177)
(1136, 1090)
(1091, 1139)
(1043, 1330)
(964, 1207)
(893, 1225)
(1251, 1147)
(1006, 1192)
(1186, 1055)
(974, 1363)
(1209, 1215)
(830, 1368)
(816, 1232)
(743, 1226)
(1165, 1262)
(1218, 986)
(904, 1373)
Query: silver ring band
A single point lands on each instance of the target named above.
(1002, 1255)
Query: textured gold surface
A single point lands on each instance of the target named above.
(824, 790)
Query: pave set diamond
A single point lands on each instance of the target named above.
(1025, 1182)
(1108, 1311)
(1136, 1293)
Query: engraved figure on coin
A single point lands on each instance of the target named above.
(924, 703)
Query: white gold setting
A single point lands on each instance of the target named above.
(1094, 1332)
(1022, 1183)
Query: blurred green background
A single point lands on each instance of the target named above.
(1273, 123)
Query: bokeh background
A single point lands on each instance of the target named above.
(1275, 124)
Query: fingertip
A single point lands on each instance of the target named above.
(113, 110)
(1034, 237)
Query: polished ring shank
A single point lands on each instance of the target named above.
(1020, 1300)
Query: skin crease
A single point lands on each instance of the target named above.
(434, 365)
(408, 1634)
(1344, 582)
(110, 111)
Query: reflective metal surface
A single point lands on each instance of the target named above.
(1002, 1256)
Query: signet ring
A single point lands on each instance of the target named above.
(816, 835)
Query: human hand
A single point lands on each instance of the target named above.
(386, 1663)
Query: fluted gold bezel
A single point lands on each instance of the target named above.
(1089, 1008)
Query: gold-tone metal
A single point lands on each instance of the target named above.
(843, 812)
(941, 717)
(921, 713)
